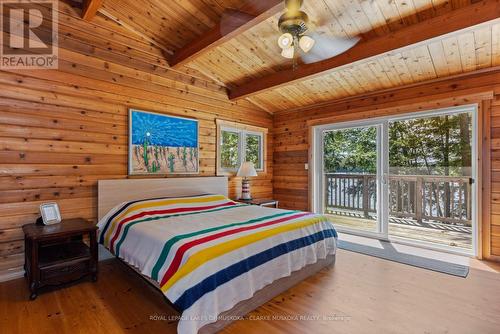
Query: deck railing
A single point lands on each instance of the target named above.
(421, 197)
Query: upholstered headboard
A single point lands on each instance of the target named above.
(114, 192)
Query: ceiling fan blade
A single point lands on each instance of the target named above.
(330, 27)
(327, 47)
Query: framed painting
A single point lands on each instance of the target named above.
(162, 144)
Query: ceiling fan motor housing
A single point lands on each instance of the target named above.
(294, 23)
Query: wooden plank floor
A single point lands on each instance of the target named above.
(360, 295)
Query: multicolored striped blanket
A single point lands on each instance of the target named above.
(208, 253)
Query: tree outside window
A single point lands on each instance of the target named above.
(253, 148)
(230, 157)
(236, 145)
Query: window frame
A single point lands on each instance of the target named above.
(243, 131)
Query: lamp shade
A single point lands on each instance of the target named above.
(247, 169)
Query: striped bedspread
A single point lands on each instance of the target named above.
(208, 253)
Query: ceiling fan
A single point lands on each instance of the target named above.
(299, 40)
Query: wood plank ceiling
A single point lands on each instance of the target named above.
(255, 54)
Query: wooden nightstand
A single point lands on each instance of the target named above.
(270, 203)
(56, 254)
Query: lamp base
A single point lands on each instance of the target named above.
(245, 190)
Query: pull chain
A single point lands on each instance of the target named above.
(295, 52)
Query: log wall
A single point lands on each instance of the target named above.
(61, 131)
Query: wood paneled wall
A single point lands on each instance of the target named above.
(291, 136)
(61, 131)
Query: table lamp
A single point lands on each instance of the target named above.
(246, 170)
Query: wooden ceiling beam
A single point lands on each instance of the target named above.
(458, 19)
(90, 8)
(234, 23)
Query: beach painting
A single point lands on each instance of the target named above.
(162, 144)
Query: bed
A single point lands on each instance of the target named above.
(214, 259)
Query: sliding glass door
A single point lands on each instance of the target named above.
(408, 177)
(431, 179)
(350, 174)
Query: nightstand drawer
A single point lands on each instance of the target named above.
(63, 273)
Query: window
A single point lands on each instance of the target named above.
(238, 143)
(229, 149)
(253, 154)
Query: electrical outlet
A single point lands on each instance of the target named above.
(306, 166)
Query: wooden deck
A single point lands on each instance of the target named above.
(446, 199)
(454, 236)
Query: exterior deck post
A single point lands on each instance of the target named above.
(366, 204)
(419, 198)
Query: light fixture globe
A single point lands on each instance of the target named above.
(306, 43)
(288, 53)
(285, 41)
